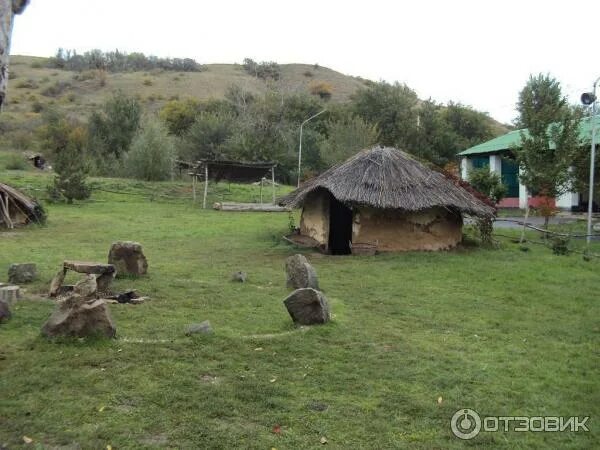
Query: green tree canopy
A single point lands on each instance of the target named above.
(552, 139)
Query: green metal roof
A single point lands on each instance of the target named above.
(513, 138)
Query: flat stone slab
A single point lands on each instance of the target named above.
(89, 267)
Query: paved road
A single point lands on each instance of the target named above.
(535, 221)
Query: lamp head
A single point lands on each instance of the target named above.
(587, 98)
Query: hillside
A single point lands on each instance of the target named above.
(30, 80)
(33, 87)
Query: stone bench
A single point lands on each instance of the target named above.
(105, 273)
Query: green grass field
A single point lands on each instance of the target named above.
(503, 332)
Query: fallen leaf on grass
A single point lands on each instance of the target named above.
(440, 400)
(323, 440)
(273, 380)
(27, 440)
(276, 429)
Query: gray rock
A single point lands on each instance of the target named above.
(128, 257)
(4, 311)
(56, 284)
(87, 287)
(22, 273)
(239, 276)
(78, 317)
(199, 328)
(104, 283)
(307, 306)
(300, 274)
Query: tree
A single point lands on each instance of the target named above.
(152, 153)
(112, 129)
(8, 9)
(346, 137)
(66, 141)
(179, 115)
(393, 108)
(549, 139)
(488, 183)
(207, 137)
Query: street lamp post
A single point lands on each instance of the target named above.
(300, 147)
(587, 99)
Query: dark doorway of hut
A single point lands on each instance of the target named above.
(340, 227)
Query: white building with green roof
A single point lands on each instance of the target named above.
(497, 155)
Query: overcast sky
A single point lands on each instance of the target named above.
(479, 53)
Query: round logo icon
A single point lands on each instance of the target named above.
(465, 424)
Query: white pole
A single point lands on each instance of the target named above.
(273, 182)
(592, 168)
(300, 146)
(205, 185)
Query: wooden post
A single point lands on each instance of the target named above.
(261, 188)
(273, 182)
(194, 176)
(205, 185)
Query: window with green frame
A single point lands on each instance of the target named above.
(479, 162)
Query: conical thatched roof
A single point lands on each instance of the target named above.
(388, 178)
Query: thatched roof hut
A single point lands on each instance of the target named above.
(384, 197)
(17, 208)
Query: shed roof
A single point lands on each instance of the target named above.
(513, 139)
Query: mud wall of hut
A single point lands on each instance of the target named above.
(392, 230)
(315, 217)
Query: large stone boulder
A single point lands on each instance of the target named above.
(22, 273)
(300, 274)
(79, 317)
(4, 311)
(307, 306)
(128, 257)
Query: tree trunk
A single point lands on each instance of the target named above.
(8, 9)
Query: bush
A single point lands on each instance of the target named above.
(321, 88)
(37, 106)
(179, 115)
(16, 162)
(56, 89)
(488, 183)
(21, 140)
(560, 245)
(152, 153)
(26, 84)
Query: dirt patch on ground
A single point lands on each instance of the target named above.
(9, 234)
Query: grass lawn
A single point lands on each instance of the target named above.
(503, 332)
